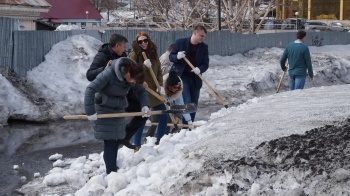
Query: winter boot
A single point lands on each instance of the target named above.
(137, 148)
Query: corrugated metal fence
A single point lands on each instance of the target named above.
(23, 50)
(7, 26)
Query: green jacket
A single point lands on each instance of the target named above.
(152, 54)
(299, 59)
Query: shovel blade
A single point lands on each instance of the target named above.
(187, 108)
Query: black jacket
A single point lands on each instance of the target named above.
(104, 54)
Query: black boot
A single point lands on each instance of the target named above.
(128, 144)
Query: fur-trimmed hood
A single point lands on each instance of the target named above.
(151, 50)
(116, 64)
(177, 94)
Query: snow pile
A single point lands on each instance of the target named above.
(63, 27)
(67, 72)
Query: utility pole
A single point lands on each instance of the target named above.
(219, 14)
(87, 15)
(296, 22)
(87, 18)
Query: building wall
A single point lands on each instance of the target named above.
(25, 24)
(325, 9)
(319, 9)
(346, 14)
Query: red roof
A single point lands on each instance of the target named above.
(73, 9)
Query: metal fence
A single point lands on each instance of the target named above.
(23, 50)
(7, 26)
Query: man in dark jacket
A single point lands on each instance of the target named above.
(113, 50)
(197, 53)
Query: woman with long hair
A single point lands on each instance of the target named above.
(143, 43)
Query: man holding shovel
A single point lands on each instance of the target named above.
(197, 53)
(299, 59)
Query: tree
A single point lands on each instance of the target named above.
(237, 15)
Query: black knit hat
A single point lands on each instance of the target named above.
(173, 79)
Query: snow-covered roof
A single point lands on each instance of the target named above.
(25, 5)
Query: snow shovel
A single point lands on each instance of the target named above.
(174, 109)
(160, 97)
(205, 81)
(280, 82)
(171, 125)
(152, 72)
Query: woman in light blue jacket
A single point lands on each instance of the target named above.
(173, 95)
(173, 90)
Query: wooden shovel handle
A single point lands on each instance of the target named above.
(280, 82)
(205, 81)
(152, 73)
(161, 98)
(114, 115)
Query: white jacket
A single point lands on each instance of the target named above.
(165, 62)
(175, 99)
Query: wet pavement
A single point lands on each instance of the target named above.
(37, 162)
(30, 145)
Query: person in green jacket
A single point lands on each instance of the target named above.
(299, 59)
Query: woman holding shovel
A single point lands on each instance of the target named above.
(113, 83)
(153, 80)
(173, 90)
(173, 95)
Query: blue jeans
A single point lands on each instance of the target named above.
(190, 93)
(163, 120)
(110, 155)
(296, 82)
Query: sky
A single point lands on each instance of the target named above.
(192, 162)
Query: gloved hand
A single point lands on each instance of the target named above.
(92, 117)
(162, 90)
(181, 55)
(190, 124)
(148, 123)
(196, 70)
(145, 109)
(148, 63)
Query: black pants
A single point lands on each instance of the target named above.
(110, 155)
(136, 121)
